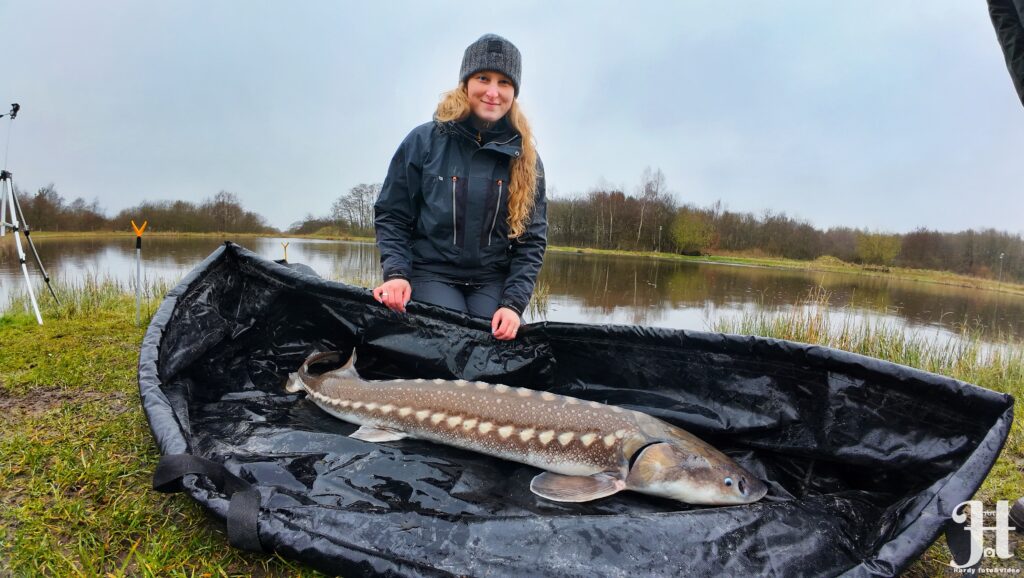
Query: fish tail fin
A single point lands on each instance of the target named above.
(304, 375)
(294, 383)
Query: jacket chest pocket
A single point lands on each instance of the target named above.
(442, 210)
(494, 230)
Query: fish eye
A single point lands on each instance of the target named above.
(728, 481)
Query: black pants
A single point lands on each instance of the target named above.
(478, 299)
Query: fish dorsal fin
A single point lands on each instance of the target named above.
(378, 434)
(559, 488)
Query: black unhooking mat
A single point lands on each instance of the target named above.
(865, 459)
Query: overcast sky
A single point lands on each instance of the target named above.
(878, 114)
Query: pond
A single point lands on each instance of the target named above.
(573, 287)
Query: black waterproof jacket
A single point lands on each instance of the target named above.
(444, 206)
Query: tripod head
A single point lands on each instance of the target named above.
(15, 107)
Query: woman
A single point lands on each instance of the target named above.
(461, 219)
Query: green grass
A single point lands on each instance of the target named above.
(77, 457)
(969, 356)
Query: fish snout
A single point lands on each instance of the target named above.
(748, 488)
(705, 478)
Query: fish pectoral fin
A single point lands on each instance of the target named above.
(373, 434)
(559, 488)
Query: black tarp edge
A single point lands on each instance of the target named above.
(895, 554)
(914, 540)
(157, 407)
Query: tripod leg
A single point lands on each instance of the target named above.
(3, 209)
(28, 232)
(3, 203)
(21, 257)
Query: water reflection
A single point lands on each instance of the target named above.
(577, 287)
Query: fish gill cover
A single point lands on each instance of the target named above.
(864, 459)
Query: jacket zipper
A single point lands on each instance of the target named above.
(455, 222)
(495, 221)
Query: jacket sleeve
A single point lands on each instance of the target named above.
(528, 253)
(395, 210)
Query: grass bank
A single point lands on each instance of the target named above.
(76, 455)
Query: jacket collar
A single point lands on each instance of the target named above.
(501, 137)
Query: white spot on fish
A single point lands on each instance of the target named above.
(420, 380)
(548, 396)
(596, 405)
(565, 438)
(572, 400)
(422, 414)
(386, 409)
(454, 421)
(405, 411)
(524, 392)
(527, 434)
(616, 409)
(588, 439)
(437, 417)
(506, 431)
(439, 381)
(609, 440)
(345, 403)
(469, 424)
(486, 427)
(481, 385)
(461, 382)
(620, 433)
(357, 405)
(546, 437)
(372, 406)
(500, 388)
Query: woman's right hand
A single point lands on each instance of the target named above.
(394, 294)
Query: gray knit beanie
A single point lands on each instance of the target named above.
(492, 52)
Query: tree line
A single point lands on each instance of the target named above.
(47, 210)
(648, 218)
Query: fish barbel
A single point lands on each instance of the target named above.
(589, 450)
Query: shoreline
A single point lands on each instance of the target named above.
(821, 265)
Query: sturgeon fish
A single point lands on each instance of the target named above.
(589, 450)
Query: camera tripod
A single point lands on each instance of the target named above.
(16, 222)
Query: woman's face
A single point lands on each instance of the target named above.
(490, 95)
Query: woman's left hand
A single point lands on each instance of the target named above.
(505, 324)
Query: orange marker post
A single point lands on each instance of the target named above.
(138, 269)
